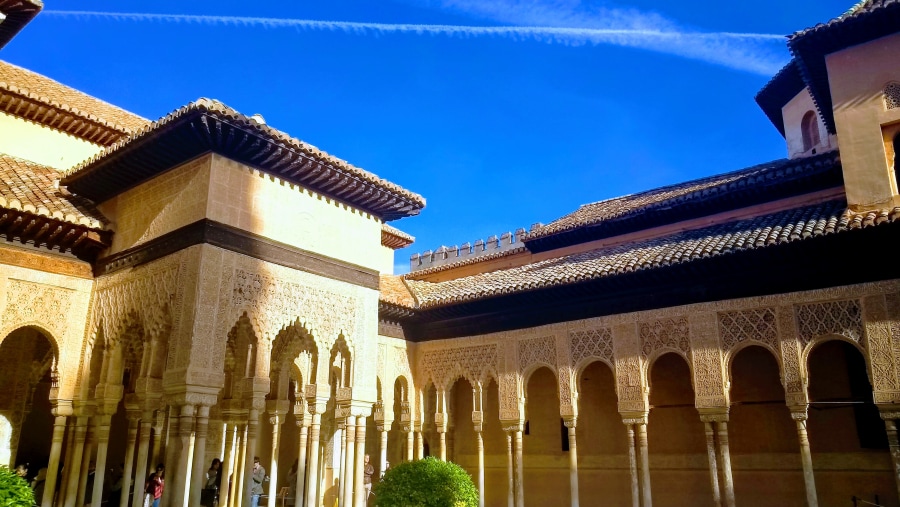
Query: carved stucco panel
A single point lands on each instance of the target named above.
(739, 327)
(668, 333)
(793, 376)
(445, 364)
(831, 317)
(589, 344)
(708, 366)
(537, 351)
(630, 381)
(883, 363)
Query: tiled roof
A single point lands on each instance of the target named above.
(208, 125)
(763, 181)
(766, 231)
(18, 13)
(42, 100)
(784, 86)
(394, 238)
(394, 291)
(28, 186)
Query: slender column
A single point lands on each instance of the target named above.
(725, 459)
(894, 445)
(511, 496)
(180, 475)
(275, 420)
(442, 436)
(59, 431)
(171, 454)
(410, 444)
(520, 469)
(632, 465)
(360, 495)
(201, 431)
(479, 442)
(90, 442)
(645, 464)
(420, 447)
(301, 465)
(130, 444)
(349, 453)
(313, 468)
(240, 467)
(573, 462)
(713, 466)
(100, 468)
(342, 459)
(140, 471)
(158, 443)
(227, 465)
(806, 458)
(252, 429)
(71, 487)
(384, 443)
(68, 465)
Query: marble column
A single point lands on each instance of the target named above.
(227, 466)
(633, 467)
(130, 444)
(382, 461)
(275, 419)
(90, 442)
(198, 470)
(179, 476)
(313, 467)
(442, 440)
(410, 443)
(342, 459)
(59, 431)
(71, 487)
(301, 464)
(520, 469)
(359, 484)
(725, 460)
(252, 429)
(894, 445)
(158, 447)
(713, 464)
(240, 467)
(68, 467)
(479, 442)
(350, 452)
(510, 474)
(420, 445)
(573, 461)
(809, 479)
(140, 470)
(100, 467)
(645, 465)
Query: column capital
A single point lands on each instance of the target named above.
(61, 408)
(799, 415)
(634, 417)
(889, 411)
(713, 414)
(570, 421)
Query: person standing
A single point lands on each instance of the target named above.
(258, 475)
(156, 484)
(368, 472)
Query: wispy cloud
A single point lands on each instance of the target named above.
(743, 51)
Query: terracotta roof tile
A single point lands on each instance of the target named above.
(394, 291)
(394, 238)
(30, 187)
(760, 232)
(758, 177)
(36, 97)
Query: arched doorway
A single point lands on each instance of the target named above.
(764, 447)
(544, 443)
(27, 363)
(679, 467)
(845, 428)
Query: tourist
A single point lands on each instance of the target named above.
(22, 470)
(256, 489)
(115, 488)
(38, 485)
(292, 477)
(209, 497)
(368, 472)
(155, 485)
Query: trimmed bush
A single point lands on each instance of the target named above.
(426, 483)
(14, 491)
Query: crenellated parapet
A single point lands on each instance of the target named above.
(444, 255)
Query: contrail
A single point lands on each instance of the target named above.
(690, 44)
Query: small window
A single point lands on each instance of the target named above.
(892, 95)
(810, 130)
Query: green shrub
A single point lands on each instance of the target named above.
(426, 483)
(14, 491)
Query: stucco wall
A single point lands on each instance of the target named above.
(792, 113)
(857, 77)
(24, 139)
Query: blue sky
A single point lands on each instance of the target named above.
(498, 128)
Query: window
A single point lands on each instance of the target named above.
(810, 130)
(892, 95)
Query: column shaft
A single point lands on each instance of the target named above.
(180, 475)
(383, 448)
(100, 467)
(130, 444)
(67, 466)
(342, 463)
(511, 496)
(347, 480)
(479, 440)
(90, 443)
(410, 445)
(301, 466)
(806, 458)
(359, 485)
(140, 470)
(252, 428)
(313, 467)
(71, 487)
(59, 431)
(227, 466)
(520, 470)
(632, 465)
(645, 465)
(420, 446)
(442, 436)
(713, 465)
(273, 463)
(198, 470)
(725, 459)
(894, 445)
(573, 465)
(240, 468)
